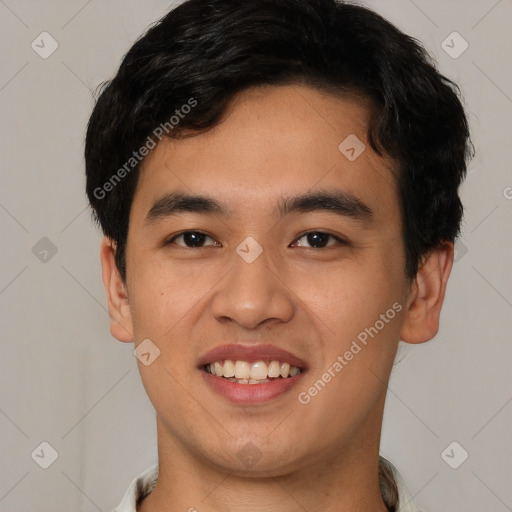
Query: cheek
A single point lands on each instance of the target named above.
(163, 293)
(345, 296)
(357, 311)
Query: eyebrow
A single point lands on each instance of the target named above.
(338, 202)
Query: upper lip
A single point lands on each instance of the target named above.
(251, 354)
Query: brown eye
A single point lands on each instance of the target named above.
(191, 239)
(317, 240)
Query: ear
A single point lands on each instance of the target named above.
(121, 326)
(427, 295)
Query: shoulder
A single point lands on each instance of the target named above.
(405, 499)
(140, 486)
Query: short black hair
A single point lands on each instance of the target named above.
(182, 74)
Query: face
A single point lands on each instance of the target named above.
(294, 245)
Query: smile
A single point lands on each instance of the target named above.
(260, 372)
(248, 374)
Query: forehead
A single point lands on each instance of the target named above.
(274, 141)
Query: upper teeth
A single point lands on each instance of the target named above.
(255, 371)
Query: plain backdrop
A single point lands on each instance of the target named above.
(66, 382)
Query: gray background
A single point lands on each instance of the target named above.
(63, 378)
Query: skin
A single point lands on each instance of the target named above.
(313, 302)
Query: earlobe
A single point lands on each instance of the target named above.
(427, 295)
(121, 325)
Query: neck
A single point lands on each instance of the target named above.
(342, 480)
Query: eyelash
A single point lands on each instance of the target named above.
(338, 239)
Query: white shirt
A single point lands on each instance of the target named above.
(146, 481)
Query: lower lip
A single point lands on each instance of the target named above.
(245, 394)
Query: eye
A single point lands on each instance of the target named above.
(192, 239)
(317, 240)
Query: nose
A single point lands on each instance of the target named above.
(253, 294)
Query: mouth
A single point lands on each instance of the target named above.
(247, 374)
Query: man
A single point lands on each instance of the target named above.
(277, 182)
